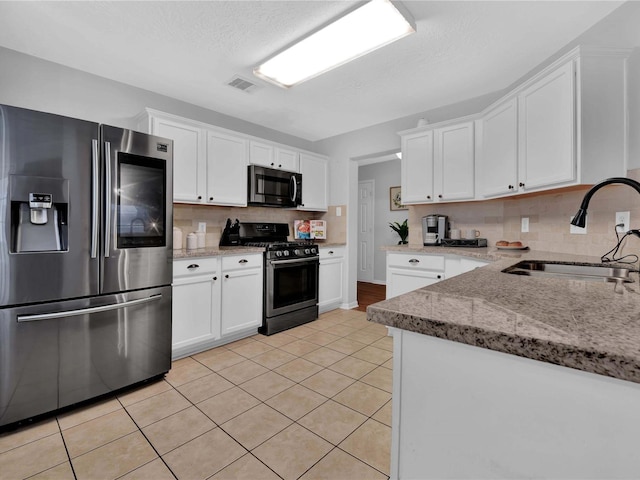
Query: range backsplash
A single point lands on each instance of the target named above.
(186, 217)
(549, 214)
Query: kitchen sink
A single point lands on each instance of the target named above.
(590, 272)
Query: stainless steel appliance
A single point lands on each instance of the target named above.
(274, 188)
(435, 224)
(85, 260)
(290, 276)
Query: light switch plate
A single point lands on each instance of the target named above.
(524, 225)
(338, 211)
(578, 230)
(202, 227)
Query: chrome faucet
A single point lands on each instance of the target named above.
(579, 220)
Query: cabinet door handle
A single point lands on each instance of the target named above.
(215, 278)
(199, 197)
(330, 252)
(428, 197)
(272, 164)
(440, 196)
(226, 276)
(521, 184)
(510, 187)
(243, 261)
(414, 260)
(439, 277)
(211, 199)
(193, 265)
(279, 166)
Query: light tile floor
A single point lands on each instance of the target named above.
(313, 402)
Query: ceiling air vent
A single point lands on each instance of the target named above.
(241, 84)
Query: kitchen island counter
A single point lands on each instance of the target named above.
(480, 388)
(590, 326)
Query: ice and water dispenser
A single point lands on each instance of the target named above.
(39, 214)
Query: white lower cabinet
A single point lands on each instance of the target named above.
(409, 271)
(196, 301)
(331, 275)
(215, 300)
(241, 293)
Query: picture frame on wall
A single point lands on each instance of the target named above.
(395, 199)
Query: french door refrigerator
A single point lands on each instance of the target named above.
(85, 260)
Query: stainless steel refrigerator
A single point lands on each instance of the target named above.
(85, 260)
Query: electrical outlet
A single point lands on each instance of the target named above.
(524, 225)
(578, 230)
(625, 219)
(202, 227)
(338, 211)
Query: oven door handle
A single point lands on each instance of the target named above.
(294, 260)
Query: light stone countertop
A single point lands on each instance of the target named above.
(573, 323)
(214, 252)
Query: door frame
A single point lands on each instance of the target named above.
(371, 233)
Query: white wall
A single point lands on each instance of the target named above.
(385, 175)
(30, 82)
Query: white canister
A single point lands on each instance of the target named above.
(177, 238)
(192, 241)
(201, 239)
(454, 234)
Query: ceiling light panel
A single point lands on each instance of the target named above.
(369, 27)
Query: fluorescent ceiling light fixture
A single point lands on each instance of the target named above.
(369, 27)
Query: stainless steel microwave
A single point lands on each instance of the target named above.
(274, 188)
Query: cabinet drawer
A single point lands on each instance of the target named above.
(327, 253)
(418, 261)
(234, 262)
(194, 266)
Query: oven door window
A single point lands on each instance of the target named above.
(294, 283)
(141, 201)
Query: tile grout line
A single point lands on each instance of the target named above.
(147, 440)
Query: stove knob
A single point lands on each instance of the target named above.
(286, 253)
(278, 253)
(314, 251)
(307, 251)
(296, 251)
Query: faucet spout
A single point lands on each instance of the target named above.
(580, 218)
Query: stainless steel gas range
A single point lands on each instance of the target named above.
(290, 276)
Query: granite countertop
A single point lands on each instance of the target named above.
(590, 326)
(214, 252)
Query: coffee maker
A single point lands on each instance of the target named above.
(434, 224)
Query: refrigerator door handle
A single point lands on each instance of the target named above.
(95, 179)
(85, 311)
(107, 196)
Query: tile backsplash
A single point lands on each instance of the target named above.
(186, 217)
(549, 215)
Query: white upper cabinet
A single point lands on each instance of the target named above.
(565, 126)
(270, 156)
(416, 171)
(287, 160)
(453, 171)
(314, 182)
(261, 154)
(497, 147)
(547, 154)
(227, 169)
(210, 163)
(189, 154)
(438, 164)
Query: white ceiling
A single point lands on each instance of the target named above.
(189, 50)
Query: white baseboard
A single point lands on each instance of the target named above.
(349, 306)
